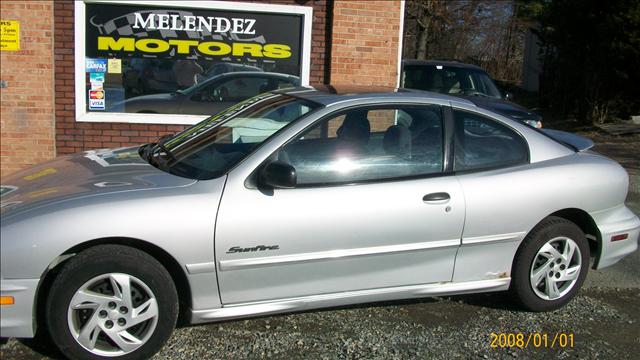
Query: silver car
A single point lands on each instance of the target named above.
(300, 199)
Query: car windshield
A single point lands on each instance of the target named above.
(213, 146)
(450, 80)
(193, 88)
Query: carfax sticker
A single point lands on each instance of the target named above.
(96, 100)
(95, 65)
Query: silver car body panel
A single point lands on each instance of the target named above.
(80, 212)
(336, 245)
(346, 298)
(362, 223)
(17, 320)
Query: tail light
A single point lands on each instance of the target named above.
(619, 237)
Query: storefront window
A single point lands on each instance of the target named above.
(150, 58)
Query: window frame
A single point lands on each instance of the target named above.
(447, 147)
(456, 144)
(83, 115)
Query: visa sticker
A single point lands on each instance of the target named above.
(95, 65)
(96, 100)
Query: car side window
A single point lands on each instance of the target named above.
(368, 144)
(484, 143)
(234, 90)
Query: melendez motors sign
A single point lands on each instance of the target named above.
(124, 31)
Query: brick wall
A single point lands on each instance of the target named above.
(365, 42)
(72, 136)
(26, 105)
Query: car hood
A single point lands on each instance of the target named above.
(503, 107)
(86, 174)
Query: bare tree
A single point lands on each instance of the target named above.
(486, 33)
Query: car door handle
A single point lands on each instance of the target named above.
(437, 198)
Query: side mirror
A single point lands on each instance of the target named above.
(279, 175)
(508, 96)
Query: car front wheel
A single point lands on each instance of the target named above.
(550, 265)
(111, 301)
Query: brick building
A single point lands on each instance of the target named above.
(45, 111)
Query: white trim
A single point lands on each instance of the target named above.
(133, 118)
(173, 119)
(305, 68)
(517, 236)
(204, 4)
(249, 263)
(79, 16)
(201, 268)
(400, 41)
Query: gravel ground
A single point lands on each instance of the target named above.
(604, 319)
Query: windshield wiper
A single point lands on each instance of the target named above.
(163, 149)
(153, 152)
(145, 150)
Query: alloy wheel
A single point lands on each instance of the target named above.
(112, 314)
(555, 268)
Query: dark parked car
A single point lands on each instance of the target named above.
(464, 80)
(212, 95)
(223, 68)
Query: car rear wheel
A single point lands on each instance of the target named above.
(111, 301)
(550, 266)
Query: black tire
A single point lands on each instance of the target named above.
(106, 259)
(521, 289)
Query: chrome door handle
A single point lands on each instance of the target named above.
(437, 198)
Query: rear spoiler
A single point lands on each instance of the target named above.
(577, 142)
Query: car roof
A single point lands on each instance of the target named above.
(247, 74)
(330, 94)
(254, 74)
(448, 63)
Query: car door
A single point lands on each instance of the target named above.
(491, 161)
(372, 209)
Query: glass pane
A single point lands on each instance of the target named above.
(369, 144)
(139, 57)
(211, 147)
(484, 143)
(166, 86)
(457, 80)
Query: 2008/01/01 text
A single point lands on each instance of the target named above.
(534, 340)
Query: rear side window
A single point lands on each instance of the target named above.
(482, 143)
